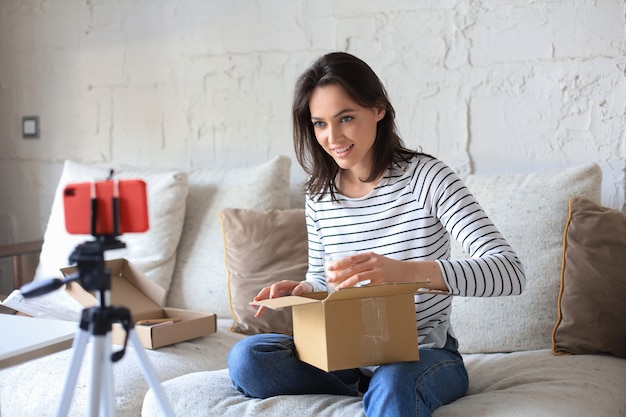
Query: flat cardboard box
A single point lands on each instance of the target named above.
(144, 298)
(354, 327)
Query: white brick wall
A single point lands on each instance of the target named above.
(486, 85)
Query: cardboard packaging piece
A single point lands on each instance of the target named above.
(354, 327)
(144, 298)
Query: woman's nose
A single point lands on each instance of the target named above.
(333, 133)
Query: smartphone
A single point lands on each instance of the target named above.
(80, 200)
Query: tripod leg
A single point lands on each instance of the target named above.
(96, 375)
(101, 398)
(150, 375)
(78, 352)
(108, 391)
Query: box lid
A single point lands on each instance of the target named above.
(383, 290)
(129, 287)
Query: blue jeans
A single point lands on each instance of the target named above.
(266, 365)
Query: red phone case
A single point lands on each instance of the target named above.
(133, 207)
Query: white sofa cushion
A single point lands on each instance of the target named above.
(153, 252)
(531, 211)
(200, 278)
(530, 384)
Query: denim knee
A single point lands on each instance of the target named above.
(256, 357)
(417, 388)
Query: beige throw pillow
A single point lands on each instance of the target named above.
(261, 248)
(592, 311)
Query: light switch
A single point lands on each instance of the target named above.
(30, 127)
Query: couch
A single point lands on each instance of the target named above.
(217, 235)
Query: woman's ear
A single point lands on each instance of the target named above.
(380, 113)
(380, 110)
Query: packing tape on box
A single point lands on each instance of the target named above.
(374, 313)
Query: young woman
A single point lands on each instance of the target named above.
(397, 208)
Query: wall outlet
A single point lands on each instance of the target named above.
(30, 127)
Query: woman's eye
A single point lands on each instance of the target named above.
(345, 119)
(318, 124)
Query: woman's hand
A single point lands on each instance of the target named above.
(371, 268)
(281, 289)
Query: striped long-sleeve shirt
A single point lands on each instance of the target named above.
(411, 215)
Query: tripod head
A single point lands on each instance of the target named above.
(92, 274)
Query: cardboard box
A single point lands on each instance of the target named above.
(354, 327)
(144, 298)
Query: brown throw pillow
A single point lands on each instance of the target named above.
(592, 311)
(262, 247)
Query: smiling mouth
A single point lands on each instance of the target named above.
(343, 150)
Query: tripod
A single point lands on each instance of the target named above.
(97, 322)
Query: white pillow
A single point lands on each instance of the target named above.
(153, 252)
(200, 278)
(531, 211)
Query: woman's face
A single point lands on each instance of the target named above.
(344, 129)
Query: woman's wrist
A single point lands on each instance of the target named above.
(430, 272)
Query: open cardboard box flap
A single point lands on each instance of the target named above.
(384, 290)
(145, 299)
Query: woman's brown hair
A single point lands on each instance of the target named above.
(364, 88)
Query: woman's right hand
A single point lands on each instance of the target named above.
(280, 289)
